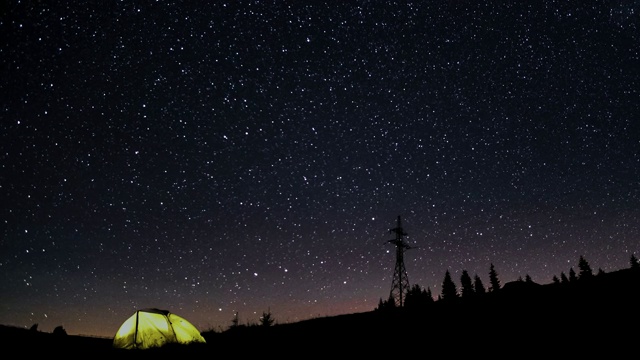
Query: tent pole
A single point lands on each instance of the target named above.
(135, 334)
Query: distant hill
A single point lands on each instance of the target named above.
(598, 314)
(596, 311)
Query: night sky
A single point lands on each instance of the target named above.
(209, 158)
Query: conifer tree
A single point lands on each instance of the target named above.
(449, 289)
(555, 280)
(429, 296)
(572, 275)
(411, 299)
(478, 286)
(494, 283)
(382, 305)
(634, 262)
(266, 319)
(528, 279)
(466, 285)
(385, 305)
(563, 278)
(235, 321)
(585, 269)
(417, 297)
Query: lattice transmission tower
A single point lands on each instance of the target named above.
(400, 283)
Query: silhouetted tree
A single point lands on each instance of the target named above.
(34, 327)
(478, 286)
(59, 330)
(429, 296)
(584, 268)
(466, 285)
(449, 289)
(493, 279)
(266, 319)
(555, 280)
(572, 275)
(411, 299)
(391, 302)
(235, 321)
(385, 305)
(528, 279)
(600, 272)
(417, 297)
(563, 278)
(634, 262)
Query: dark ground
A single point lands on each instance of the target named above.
(600, 317)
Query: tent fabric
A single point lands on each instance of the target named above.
(149, 328)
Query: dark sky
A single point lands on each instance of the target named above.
(209, 158)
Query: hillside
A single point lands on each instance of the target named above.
(600, 314)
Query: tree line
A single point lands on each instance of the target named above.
(419, 297)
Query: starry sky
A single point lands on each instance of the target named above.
(209, 158)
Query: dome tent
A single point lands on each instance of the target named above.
(149, 328)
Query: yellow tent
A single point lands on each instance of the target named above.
(149, 328)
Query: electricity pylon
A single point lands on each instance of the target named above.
(400, 283)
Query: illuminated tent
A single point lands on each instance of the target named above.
(149, 328)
